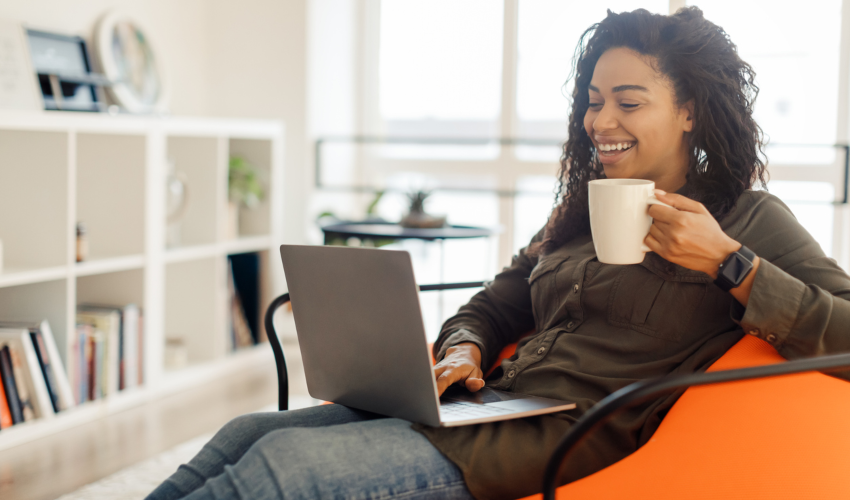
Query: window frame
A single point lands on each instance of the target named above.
(508, 168)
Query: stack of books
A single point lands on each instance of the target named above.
(34, 382)
(106, 355)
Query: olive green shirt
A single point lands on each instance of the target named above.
(601, 327)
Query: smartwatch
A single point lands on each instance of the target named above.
(734, 270)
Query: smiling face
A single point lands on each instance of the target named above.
(634, 122)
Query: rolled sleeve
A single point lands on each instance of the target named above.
(773, 306)
(459, 337)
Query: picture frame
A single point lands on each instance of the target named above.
(64, 72)
(18, 83)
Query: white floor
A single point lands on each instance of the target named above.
(137, 481)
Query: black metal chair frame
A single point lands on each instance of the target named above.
(599, 413)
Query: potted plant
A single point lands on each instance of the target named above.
(417, 217)
(244, 190)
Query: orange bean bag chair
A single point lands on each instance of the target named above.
(777, 438)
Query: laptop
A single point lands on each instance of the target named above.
(363, 344)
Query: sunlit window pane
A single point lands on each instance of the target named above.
(441, 59)
(532, 207)
(794, 51)
(549, 31)
(811, 203)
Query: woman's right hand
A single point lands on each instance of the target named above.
(462, 364)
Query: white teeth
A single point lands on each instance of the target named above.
(615, 147)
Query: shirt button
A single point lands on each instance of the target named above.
(541, 350)
(511, 373)
(771, 338)
(754, 331)
(570, 324)
(575, 288)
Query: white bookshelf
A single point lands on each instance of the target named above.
(109, 172)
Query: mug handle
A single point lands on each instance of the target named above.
(652, 200)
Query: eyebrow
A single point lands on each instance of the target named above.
(622, 88)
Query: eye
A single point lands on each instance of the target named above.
(628, 106)
(594, 105)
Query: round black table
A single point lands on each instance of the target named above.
(375, 230)
(387, 230)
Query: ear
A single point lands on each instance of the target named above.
(686, 115)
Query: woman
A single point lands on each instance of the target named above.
(663, 98)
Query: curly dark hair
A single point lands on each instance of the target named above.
(725, 147)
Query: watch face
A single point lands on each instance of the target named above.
(736, 268)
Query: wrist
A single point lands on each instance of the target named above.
(729, 247)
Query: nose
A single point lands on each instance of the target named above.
(605, 120)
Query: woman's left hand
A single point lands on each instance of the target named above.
(688, 235)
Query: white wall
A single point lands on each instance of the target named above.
(245, 58)
(178, 28)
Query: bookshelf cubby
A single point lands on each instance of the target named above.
(110, 173)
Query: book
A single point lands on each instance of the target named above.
(246, 280)
(47, 371)
(240, 332)
(5, 414)
(19, 334)
(9, 385)
(130, 352)
(21, 383)
(107, 321)
(60, 375)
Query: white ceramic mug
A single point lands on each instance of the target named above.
(619, 218)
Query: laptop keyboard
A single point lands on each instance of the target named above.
(458, 409)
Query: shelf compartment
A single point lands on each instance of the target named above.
(117, 288)
(14, 277)
(37, 301)
(195, 296)
(191, 253)
(247, 244)
(102, 266)
(111, 193)
(197, 159)
(34, 199)
(257, 152)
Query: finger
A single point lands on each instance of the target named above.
(680, 202)
(439, 368)
(660, 232)
(444, 381)
(663, 214)
(474, 384)
(653, 243)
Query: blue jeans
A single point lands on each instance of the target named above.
(321, 452)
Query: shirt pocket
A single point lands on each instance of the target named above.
(544, 291)
(657, 298)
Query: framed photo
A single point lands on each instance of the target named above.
(64, 72)
(18, 84)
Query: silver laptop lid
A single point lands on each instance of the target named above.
(360, 329)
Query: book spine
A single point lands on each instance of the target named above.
(21, 383)
(5, 413)
(44, 362)
(91, 365)
(141, 356)
(41, 398)
(9, 385)
(130, 355)
(112, 361)
(98, 367)
(60, 376)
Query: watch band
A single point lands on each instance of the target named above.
(735, 269)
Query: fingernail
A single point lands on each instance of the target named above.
(659, 191)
